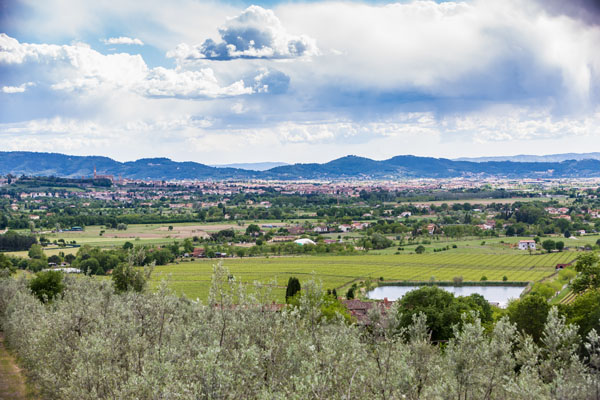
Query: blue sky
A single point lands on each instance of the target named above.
(223, 82)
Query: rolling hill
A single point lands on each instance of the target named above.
(349, 167)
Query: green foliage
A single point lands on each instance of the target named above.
(36, 251)
(89, 265)
(160, 257)
(380, 242)
(6, 266)
(293, 287)
(12, 241)
(350, 293)
(36, 264)
(126, 277)
(441, 308)
(566, 274)
(91, 344)
(544, 290)
(589, 273)
(549, 245)
(420, 249)
(47, 285)
(54, 259)
(529, 314)
(585, 312)
(252, 228)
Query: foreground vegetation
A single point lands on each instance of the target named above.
(92, 342)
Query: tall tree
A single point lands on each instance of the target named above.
(293, 287)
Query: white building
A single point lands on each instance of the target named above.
(526, 244)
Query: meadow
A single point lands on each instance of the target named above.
(193, 278)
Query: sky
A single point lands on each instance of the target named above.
(222, 82)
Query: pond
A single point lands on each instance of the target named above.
(498, 295)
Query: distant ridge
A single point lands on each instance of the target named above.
(259, 166)
(349, 167)
(533, 158)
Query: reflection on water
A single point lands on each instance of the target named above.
(494, 294)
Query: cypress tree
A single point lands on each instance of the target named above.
(293, 287)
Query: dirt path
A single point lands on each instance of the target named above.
(12, 382)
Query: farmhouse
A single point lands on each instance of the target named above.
(345, 228)
(321, 229)
(359, 309)
(431, 228)
(526, 244)
(198, 252)
(296, 230)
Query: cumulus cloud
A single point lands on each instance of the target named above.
(17, 89)
(271, 81)
(72, 68)
(163, 82)
(123, 40)
(256, 33)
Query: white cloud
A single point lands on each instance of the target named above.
(72, 68)
(482, 74)
(123, 40)
(163, 82)
(17, 89)
(254, 34)
(471, 51)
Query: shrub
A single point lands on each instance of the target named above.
(47, 285)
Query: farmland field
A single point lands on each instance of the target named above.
(193, 278)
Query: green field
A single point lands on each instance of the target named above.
(193, 278)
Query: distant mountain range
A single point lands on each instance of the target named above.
(533, 158)
(349, 167)
(259, 166)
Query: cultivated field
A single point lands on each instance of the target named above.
(156, 234)
(193, 278)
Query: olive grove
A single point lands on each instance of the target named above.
(95, 343)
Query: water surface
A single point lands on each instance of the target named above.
(499, 295)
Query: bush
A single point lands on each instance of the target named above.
(483, 278)
(47, 285)
(566, 274)
(420, 249)
(350, 293)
